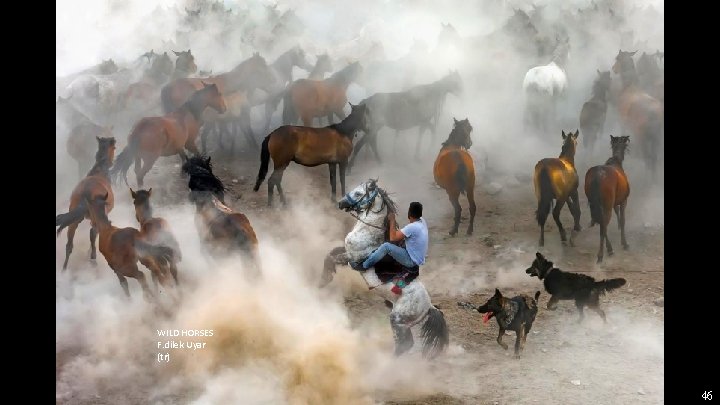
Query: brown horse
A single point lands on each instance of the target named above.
(607, 188)
(96, 183)
(81, 144)
(309, 99)
(124, 247)
(222, 229)
(331, 145)
(235, 120)
(249, 75)
(155, 230)
(557, 179)
(184, 65)
(454, 171)
(640, 113)
(594, 111)
(169, 135)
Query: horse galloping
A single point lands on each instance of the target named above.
(331, 145)
(413, 306)
(454, 171)
(557, 179)
(607, 188)
(169, 135)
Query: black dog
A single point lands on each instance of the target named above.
(516, 314)
(572, 286)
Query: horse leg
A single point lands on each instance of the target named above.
(574, 206)
(620, 214)
(333, 190)
(69, 245)
(174, 272)
(454, 200)
(245, 126)
(203, 137)
(270, 185)
(132, 271)
(470, 190)
(373, 144)
(278, 184)
(356, 150)
(148, 164)
(401, 334)
(342, 167)
(556, 217)
(93, 238)
(123, 283)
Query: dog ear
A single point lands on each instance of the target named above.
(539, 256)
(497, 293)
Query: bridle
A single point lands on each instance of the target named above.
(366, 201)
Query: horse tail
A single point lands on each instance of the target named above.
(595, 201)
(545, 202)
(461, 175)
(125, 159)
(166, 99)
(162, 254)
(264, 162)
(74, 215)
(434, 333)
(289, 113)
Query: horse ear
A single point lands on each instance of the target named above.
(207, 161)
(632, 53)
(612, 139)
(176, 54)
(563, 134)
(577, 133)
(188, 51)
(149, 191)
(455, 120)
(132, 193)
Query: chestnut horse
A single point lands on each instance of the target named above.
(607, 188)
(331, 145)
(222, 229)
(123, 247)
(639, 112)
(309, 99)
(454, 171)
(557, 179)
(155, 230)
(169, 135)
(96, 183)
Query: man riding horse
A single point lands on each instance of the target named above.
(412, 256)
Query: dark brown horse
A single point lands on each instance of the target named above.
(155, 230)
(169, 135)
(593, 112)
(454, 171)
(557, 179)
(331, 145)
(639, 112)
(607, 189)
(124, 247)
(222, 229)
(82, 145)
(310, 99)
(96, 183)
(184, 65)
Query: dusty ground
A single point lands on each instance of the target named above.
(564, 362)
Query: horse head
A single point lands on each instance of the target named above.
(361, 198)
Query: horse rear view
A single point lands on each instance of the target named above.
(607, 188)
(556, 179)
(594, 111)
(454, 171)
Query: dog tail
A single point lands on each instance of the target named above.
(609, 284)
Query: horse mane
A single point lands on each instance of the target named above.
(451, 137)
(102, 163)
(193, 103)
(392, 206)
(202, 178)
(341, 75)
(347, 126)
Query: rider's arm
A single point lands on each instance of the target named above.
(395, 234)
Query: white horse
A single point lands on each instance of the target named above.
(543, 86)
(413, 305)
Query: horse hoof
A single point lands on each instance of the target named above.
(516, 356)
(453, 233)
(611, 253)
(599, 260)
(577, 228)
(469, 233)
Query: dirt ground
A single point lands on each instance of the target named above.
(564, 362)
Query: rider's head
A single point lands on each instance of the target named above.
(415, 210)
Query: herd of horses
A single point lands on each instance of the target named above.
(195, 107)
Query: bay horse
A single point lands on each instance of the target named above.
(413, 306)
(309, 99)
(639, 112)
(124, 247)
(96, 183)
(152, 137)
(543, 86)
(420, 106)
(184, 65)
(155, 230)
(454, 171)
(607, 188)
(322, 65)
(81, 144)
(331, 145)
(594, 111)
(557, 179)
(221, 229)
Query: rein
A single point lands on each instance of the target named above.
(374, 226)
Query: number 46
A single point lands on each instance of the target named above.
(707, 395)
